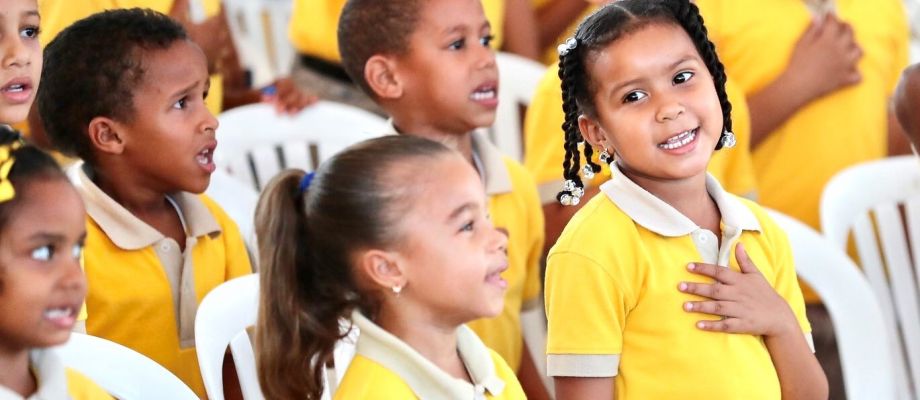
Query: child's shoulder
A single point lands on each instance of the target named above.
(80, 387)
(368, 379)
(599, 219)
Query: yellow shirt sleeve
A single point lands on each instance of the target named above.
(79, 387)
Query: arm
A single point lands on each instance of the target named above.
(530, 377)
(570, 388)
(520, 29)
(555, 17)
(749, 305)
(824, 60)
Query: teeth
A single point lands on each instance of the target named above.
(679, 141)
(14, 88)
(204, 157)
(56, 313)
(483, 95)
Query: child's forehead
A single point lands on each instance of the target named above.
(443, 16)
(15, 9)
(180, 60)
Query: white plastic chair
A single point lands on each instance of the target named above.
(867, 200)
(256, 143)
(122, 372)
(239, 202)
(518, 79)
(862, 339)
(259, 30)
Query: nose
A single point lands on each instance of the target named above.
(486, 57)
(669, 108)
(500, 240)
(210, 122)
(73, 278)
(14, 51)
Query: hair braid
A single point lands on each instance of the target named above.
(688, 15)
(569, 68)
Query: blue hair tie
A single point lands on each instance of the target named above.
(305, 182)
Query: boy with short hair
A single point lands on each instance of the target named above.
(125, 91)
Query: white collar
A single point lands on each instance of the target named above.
(49, 375)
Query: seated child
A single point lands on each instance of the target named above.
(664, 285)
(907, 104)
(429, 66)
(408, 264)
(124, 90)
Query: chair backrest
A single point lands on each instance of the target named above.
(518, 79)
(862, 339)
(256, 143)
(239, 202)
(124, 373)
(222, 318)
(879, 203)
(259, 31)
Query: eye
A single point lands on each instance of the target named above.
(487, 40)
(634, 96)
(457, 44)
(682, 77)
(181, 104)
(467, 227)
(76, 251)
(43, 253)
(30, 32)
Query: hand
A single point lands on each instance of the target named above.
(287, 97)
(745, 300)
(826, 57)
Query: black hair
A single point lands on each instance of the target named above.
(594, 34)
(29, 164)
(307, 239)
(92, 69)
(371, 27)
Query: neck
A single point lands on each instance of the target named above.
(433, 339)
(128, 190)
(16, 374)
(688, 196)
(462, 141)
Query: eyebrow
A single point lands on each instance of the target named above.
(460, 210)
(617, 88)
(462, 28)
(186, 89)
(47, 237)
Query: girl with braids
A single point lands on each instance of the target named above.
(664, 286)
(408, 264)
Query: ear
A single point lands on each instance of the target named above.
(593, 133)
(381, 77)
(382, 269)
(104, 135)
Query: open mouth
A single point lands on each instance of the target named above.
(205, 157)
(679, 140)
(486, 92)
(63, 317)
(15, 88)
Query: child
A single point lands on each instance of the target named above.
(907, 104)
(124, 90)
(621, 297)
(429, 66)
(409, 264)
(41, 284)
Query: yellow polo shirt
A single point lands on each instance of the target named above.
(755, 40)
(614, 309)
(385, 367)
(143, 291)
(314, 24)
(544, 139)
(56, 381)
(515, 208)
(59, 14)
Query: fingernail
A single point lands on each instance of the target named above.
(688, 306)
(682, 286)
(691, 266)
(701, 325)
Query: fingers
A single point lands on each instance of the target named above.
(715, 291)
(719, 308)
(720, 274)
(728, 325)
(744, 261)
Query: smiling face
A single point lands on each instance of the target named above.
(170, 139)
(449, 73)
(656, 104)
(20, 58)
(451, 254)
(41, 283)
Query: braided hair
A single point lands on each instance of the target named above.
(593, 35)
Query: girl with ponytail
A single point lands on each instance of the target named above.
(392, 235)
(665, 285)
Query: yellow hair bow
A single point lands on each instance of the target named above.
(7, 192)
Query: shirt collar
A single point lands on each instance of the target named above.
(491, 162)
(426, 379)
(659, 217)
(126, 230)
(49, 375)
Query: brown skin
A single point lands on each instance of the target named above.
(554, 17)
(907, 104)
(521, 29)
(824, 60)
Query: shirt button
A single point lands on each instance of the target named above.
(164, 247)
(702, 238)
